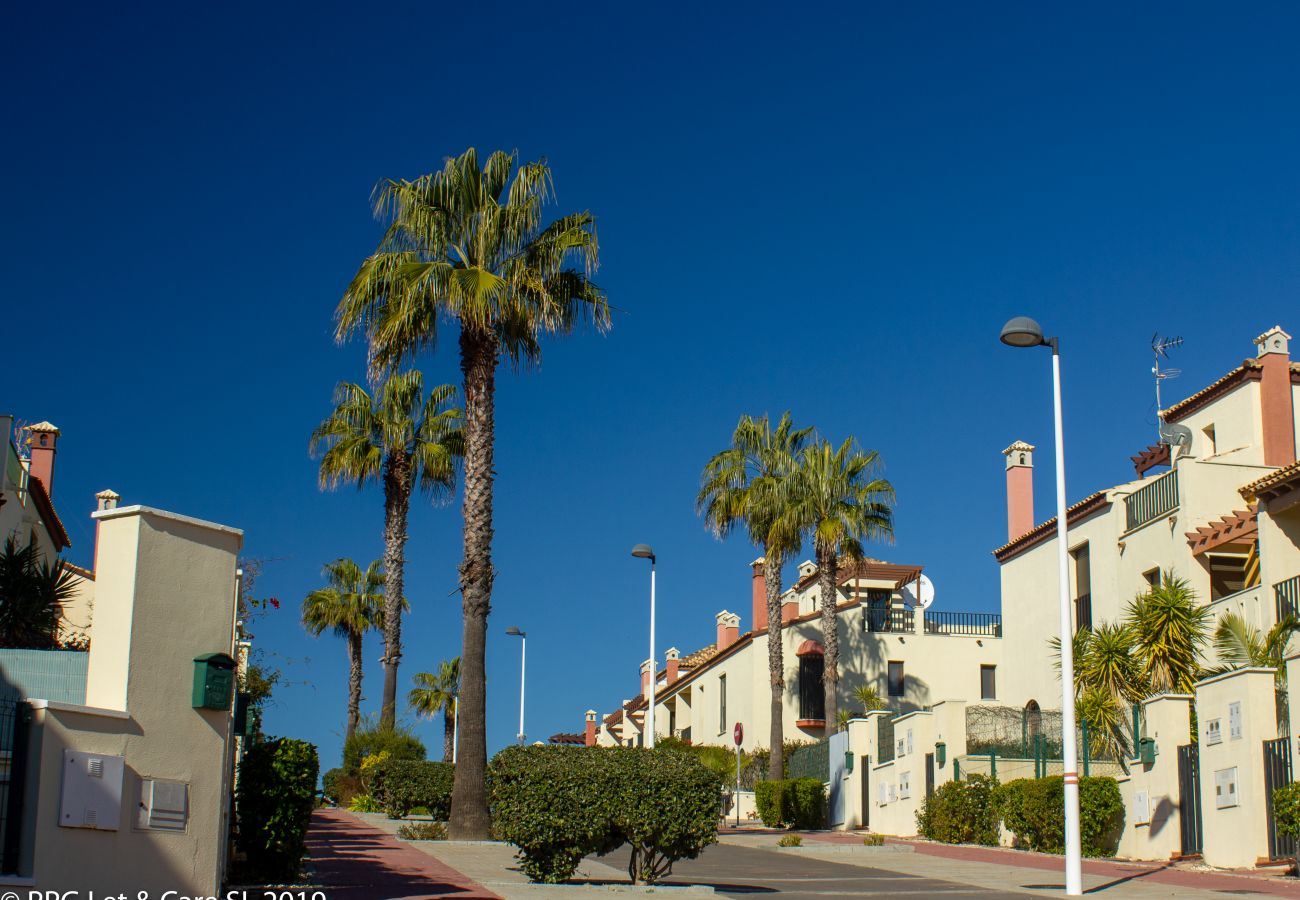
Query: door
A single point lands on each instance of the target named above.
(839, 745)
(929, 775)
(1189, 799)
(1277, 773)
(864, 766)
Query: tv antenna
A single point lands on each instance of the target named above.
(1161, 347)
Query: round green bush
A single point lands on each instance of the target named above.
(960, 812)
(401, 785)
(1033, 809)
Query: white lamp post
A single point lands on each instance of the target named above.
(523, 659)
(1025, 332)
(643, 551)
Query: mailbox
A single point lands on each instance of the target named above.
(214, 681)
(848, 760)
(941, 753)
(1147, 751)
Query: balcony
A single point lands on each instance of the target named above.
(1152, 501)
(974, 624)
(1286, 594)
(889, 620)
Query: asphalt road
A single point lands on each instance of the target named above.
(748, 873)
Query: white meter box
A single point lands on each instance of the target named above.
(92, 790)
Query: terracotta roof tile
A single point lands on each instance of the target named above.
(53, 524)
(1039, 533)
(1284, 478)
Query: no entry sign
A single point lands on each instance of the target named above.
(739, 734)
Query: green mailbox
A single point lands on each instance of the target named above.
(1147, 751)
(848, 760)
(214, 681)
(941, 753)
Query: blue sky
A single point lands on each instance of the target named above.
(811, 209)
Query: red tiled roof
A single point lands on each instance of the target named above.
(1039, 533)
(84, 573)
(868, 569)
(53, 524)
(1274, 484)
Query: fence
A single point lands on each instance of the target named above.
(1286, 595)
(812, 761)
(885, 739)
(895, 619)
(15, 717)
(970, 623)
(1152, 501)
(1029, 741)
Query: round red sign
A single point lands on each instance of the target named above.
(739, 734)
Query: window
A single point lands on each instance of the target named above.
(1230, 573)
(1211, 445)
(672, 720)
(722, 704)
(1082, 586)
(812, 694)
(877, 610)
(988, 682)
(895, 679)
(1152, 577)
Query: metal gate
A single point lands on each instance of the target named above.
(1189, 799)
(15, 717)
(929, 775)
(838, 746)
(1277, 773)
(864, 770)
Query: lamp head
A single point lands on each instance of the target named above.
(515, 631)
(1022, 331)
(643, 551)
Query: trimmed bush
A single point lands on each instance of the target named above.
(769, 797)
(400, 785)
(396, 743)
(1033, 809)
(960, 812)
(559, 804)
(800, 802)
(277, 792)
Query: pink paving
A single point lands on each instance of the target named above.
(358, 862)
(1119, 872)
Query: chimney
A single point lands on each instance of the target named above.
(760, 595)
(1020, 489)
(105, 499)
(41, 440)
(673, 657)
(647, 672)
(728, 629)
(589, 736)
(1276, 412)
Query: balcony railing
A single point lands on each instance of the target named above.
(1083, 611)
(1287, 596)
(893, 619)
(972, 623)
(1152, 501)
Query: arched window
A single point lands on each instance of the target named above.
(1033, 725)
(812, 697)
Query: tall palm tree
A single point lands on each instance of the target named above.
(402, 438)
(437, 693)
(350, 605)
(743, 484)
(838, 501)
(467, 245)
(1169, 631)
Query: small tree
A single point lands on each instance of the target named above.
(32, 594)
(437, 693)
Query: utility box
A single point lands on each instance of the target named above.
(163, 806)
(92, 790)
(214, 681)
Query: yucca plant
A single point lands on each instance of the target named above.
(1169, 632)
(869, 698)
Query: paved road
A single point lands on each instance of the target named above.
(748, 873)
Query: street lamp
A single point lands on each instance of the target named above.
(1025, 332)
(523, 658)
(643, 551)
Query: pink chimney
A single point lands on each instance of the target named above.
(673, 663)
(760, 595)
(589, 736)
(41, 440)
(1020, 489)
(728, 629)
(647, 672)
(1276, 412)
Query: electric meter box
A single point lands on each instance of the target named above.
(214, 681)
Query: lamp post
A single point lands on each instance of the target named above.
(643, 551)
(523, 658)
(1025, 332)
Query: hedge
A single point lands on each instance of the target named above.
(277, 792)
(961, 812)
(800, 802)
(400, 785)
(559, 804)
(397, 744)
(1033, 809)
(1286, 810)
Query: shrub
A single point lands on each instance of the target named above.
(1033, 809)
(422, 831)
(364, 803)
(1286, 809)
(400, 785)
(558, 804)
(960, 812)
(805, 802)
(790, 840)
(768, 797)
(399, 744)
(874, 840)
(277, 792)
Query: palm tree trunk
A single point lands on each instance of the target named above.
(775, 666)
(397, 502)
(354, 683)
(827, 577)
(448, 730)
(478, 363)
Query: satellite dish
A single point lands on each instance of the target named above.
(921, 595)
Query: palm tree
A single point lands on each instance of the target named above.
(437, 693)
(468, 245)
(402, 438)
(350, 606)
(1169, 632)
(1108, 679)
(838, 502)
(1240, 645)
(869, 698)
(743, 484)
(32, 594)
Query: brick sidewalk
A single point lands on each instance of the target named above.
(354, 861)
(1118, 872)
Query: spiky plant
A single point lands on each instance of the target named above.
(468, 246)
(837, 500)
(349, 605)
(433, 694)
(743, 485)
(1169, 632)
(1240, 645)
(869, 698)
(32, 594)
(404, 439)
